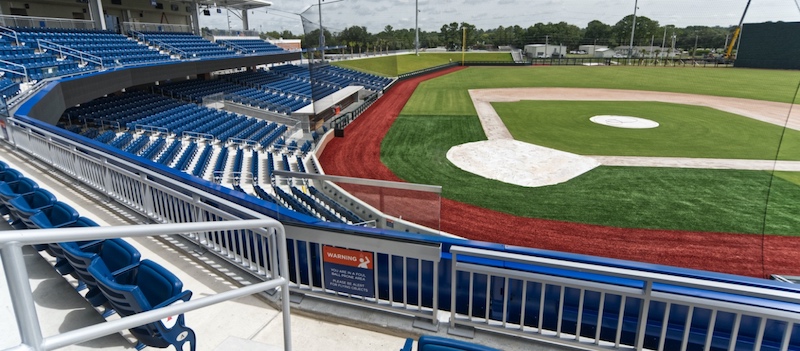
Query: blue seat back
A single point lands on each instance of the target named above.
(138, 290)
(11, 190)
(27, 205)
(54, 249)
(143, 288)
(116, 253)
(437, 343)
(56, 216)
(10, 175)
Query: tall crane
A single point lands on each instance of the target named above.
(736, 33)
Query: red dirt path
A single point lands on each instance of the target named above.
(358, 155)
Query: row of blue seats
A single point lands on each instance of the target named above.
(202, 162)
(6, 49)
(366, 77)
(219, 166)
(29, 58)
(185, 44)
(250, 45)
(111, 268)
(8, 87)
(117, 48)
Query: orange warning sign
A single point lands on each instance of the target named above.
(346, 257)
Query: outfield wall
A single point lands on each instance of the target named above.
(769, 45)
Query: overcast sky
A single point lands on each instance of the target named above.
(376, 14)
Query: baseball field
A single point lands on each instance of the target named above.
(732, 120)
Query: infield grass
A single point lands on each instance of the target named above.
(634, 197)
(683, 131)
(394, 65)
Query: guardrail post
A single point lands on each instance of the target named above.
(643, 313)
(21, 296)
(147, 196)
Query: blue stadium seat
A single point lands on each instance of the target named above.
(23, 207)
(62, 266)
(57, 216)
(142, 288)
(438, 343)
(9, 191)
(115, 253)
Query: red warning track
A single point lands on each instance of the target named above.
(358, 155)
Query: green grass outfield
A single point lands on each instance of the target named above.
(448, 95)
(394, 65)
(634, 197)
(683, 131)
(440, 115)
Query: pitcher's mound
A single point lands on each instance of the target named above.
(624, 122)
(519, 163)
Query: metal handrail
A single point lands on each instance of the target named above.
(164, 45)
(28, 21)
(66, 50)
(24, 72)
(11, 243)
(4, 31)
(241, 49)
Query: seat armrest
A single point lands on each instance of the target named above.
(183, 296)
(409, 345)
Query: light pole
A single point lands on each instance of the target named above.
(321, 30)
(633, 27)
(416, 27)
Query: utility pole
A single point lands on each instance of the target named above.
(694, 53)
(633, 27)
(321, 32)
(664, 40)
(546, 47)
(416, 26)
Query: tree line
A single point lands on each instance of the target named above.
(451, 36)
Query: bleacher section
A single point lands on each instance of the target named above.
(109, 270)
(19, 61)
(112, 48)
(196, 90)
(336, 76)
(250, 46)
(156, 130)
(185, 45)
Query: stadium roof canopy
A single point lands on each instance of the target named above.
(236, 4)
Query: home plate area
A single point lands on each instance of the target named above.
(519, 163)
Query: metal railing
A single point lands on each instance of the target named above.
(8, 32)
(11, 243)
(163, 45)
(233, 33)
(23, 72)
(68, 51)
(621, 307)
(45, 22)
(129, 27)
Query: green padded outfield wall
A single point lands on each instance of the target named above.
(773, 45)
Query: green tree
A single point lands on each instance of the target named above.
(645, 29)
(597, 32)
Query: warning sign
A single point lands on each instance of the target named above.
(349, 271)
